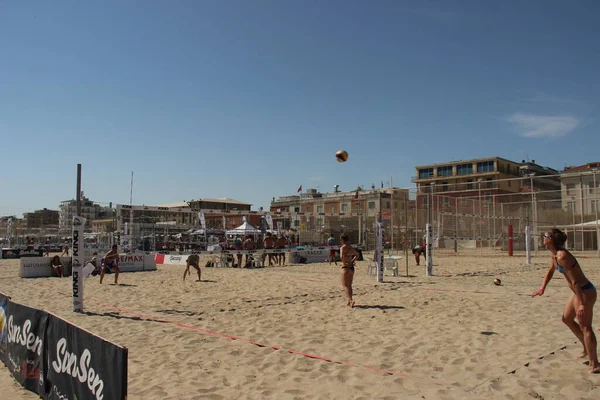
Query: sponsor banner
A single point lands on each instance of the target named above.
(202, 219)
(24, 329)
(175, 259)
(38, 267)
(77, 251)
(311, 255)
(159, 258)
(18, 253)
(81, 365)
(3, 327)
(137, 262)
(10, 253)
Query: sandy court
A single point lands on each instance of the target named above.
(451, 336)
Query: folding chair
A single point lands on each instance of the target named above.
(389, 264)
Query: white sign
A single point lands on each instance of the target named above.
(202, 220)
(77, 263)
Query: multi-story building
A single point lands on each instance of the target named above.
(486, 178)
(223, 206)
(353, 212)
(579, 185)
(42, 218)
(183, 216)
(89, 210)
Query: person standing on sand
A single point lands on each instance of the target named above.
(349, 257)
(110, 262)
(281, 244)
(268, 244)
(581, 302)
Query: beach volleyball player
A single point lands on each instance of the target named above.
(193, 261)
(581, 302)
(110, 263)
(349, 257)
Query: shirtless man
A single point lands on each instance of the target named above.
(281, 244)
(269, 243)
(249, 244)
(110, 262)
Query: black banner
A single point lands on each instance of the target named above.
(83, 366)
(18, 253)
(10, 253)
(25, 327)
(3, 327)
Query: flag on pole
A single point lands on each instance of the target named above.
(300, 189)
(356, 193)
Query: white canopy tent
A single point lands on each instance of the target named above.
(244, 229)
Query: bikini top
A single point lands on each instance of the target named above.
(561, 269)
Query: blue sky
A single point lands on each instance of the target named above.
(251, 99)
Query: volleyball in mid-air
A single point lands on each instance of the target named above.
(497, 282)
(341, 155)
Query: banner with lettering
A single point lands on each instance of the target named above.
(83, 366)
(25, 327)
(3, 327)
(202, 220)
(77, 263)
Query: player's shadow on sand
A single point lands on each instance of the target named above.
(379, 307)
(488, 333)
(118, 316)
(122, 284)
(180, 312)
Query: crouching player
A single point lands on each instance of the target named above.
(110, 263)
(194, 261)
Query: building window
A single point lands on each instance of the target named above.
(490, 184)
(358, 207)
(464, 169)
(332, 209)
(319, 209)
(445, 171)
(571, 189)
(371, 205)
(319, 222)
(296, 223)
(425, 173)
(296, 209)
(485, 166)
(571, 206)
(469, 184)
(387, 204)
(344, 208)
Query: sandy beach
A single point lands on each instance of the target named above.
(286, 333)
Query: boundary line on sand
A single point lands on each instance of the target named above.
(258, 344)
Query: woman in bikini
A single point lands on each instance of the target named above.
(581, 302)
(349, 257)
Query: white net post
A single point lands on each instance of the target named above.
(528, 244)
(77, 258)
(429, 250)
(379, 251)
